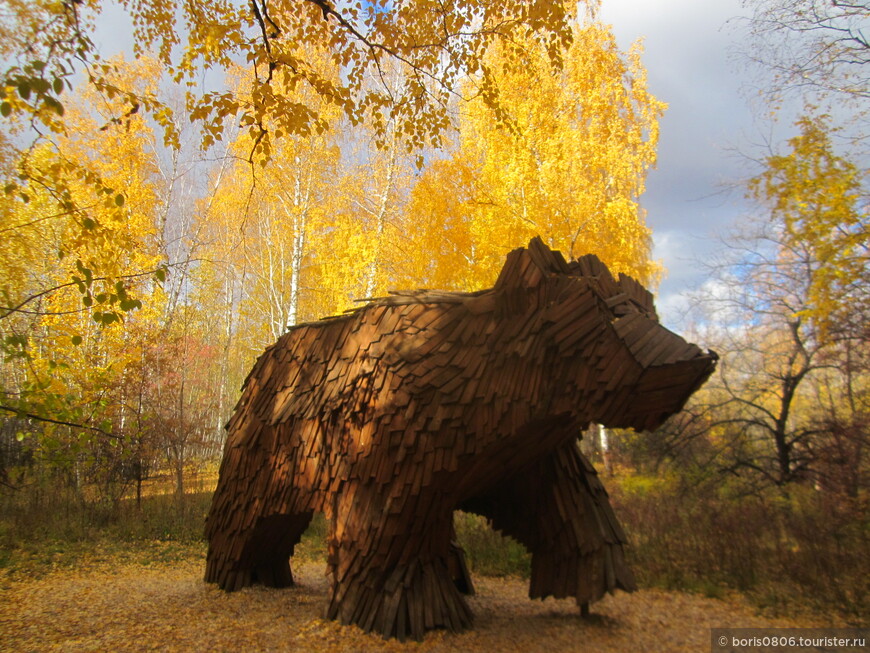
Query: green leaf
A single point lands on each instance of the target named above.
(40, 85)
(160, 275)
(119, 199)
(19, 436)
(128, 304)
(24, 89)
(88, 223)
(16, 341)
(58, 85)
(76, 340)
(5, 109)
(57, 106)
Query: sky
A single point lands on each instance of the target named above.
(692, 198)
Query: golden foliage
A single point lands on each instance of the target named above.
(814, 197)
(435, 45)
(566, 160)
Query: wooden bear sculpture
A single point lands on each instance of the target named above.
(392, 416)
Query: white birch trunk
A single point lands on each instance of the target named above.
(605, 450)
(300, 226)
(380, 222)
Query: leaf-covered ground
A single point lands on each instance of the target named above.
(114, 603)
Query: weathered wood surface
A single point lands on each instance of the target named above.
(392, 416)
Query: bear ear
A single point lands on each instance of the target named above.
(589, 265)
(642, 297)
(527, 266)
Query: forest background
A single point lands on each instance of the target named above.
(250, 166)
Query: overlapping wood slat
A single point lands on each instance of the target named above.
(392, 416)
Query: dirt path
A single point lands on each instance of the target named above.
(168, 607)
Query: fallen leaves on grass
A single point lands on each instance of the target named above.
(120, 605)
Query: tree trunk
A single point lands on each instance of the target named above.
(179, 480)
(139, 489)
(380, 223)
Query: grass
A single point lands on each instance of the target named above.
(57, 529)
(44, 527)
(488, 552)
(312, 546)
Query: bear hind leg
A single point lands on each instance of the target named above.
(262, 555)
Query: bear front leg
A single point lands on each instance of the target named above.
(390, 568)
(578, 551)
(558, 509)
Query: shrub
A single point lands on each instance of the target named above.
(789, 550)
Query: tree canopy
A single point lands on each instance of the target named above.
(434, 44)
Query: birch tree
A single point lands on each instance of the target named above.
(565, 156)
